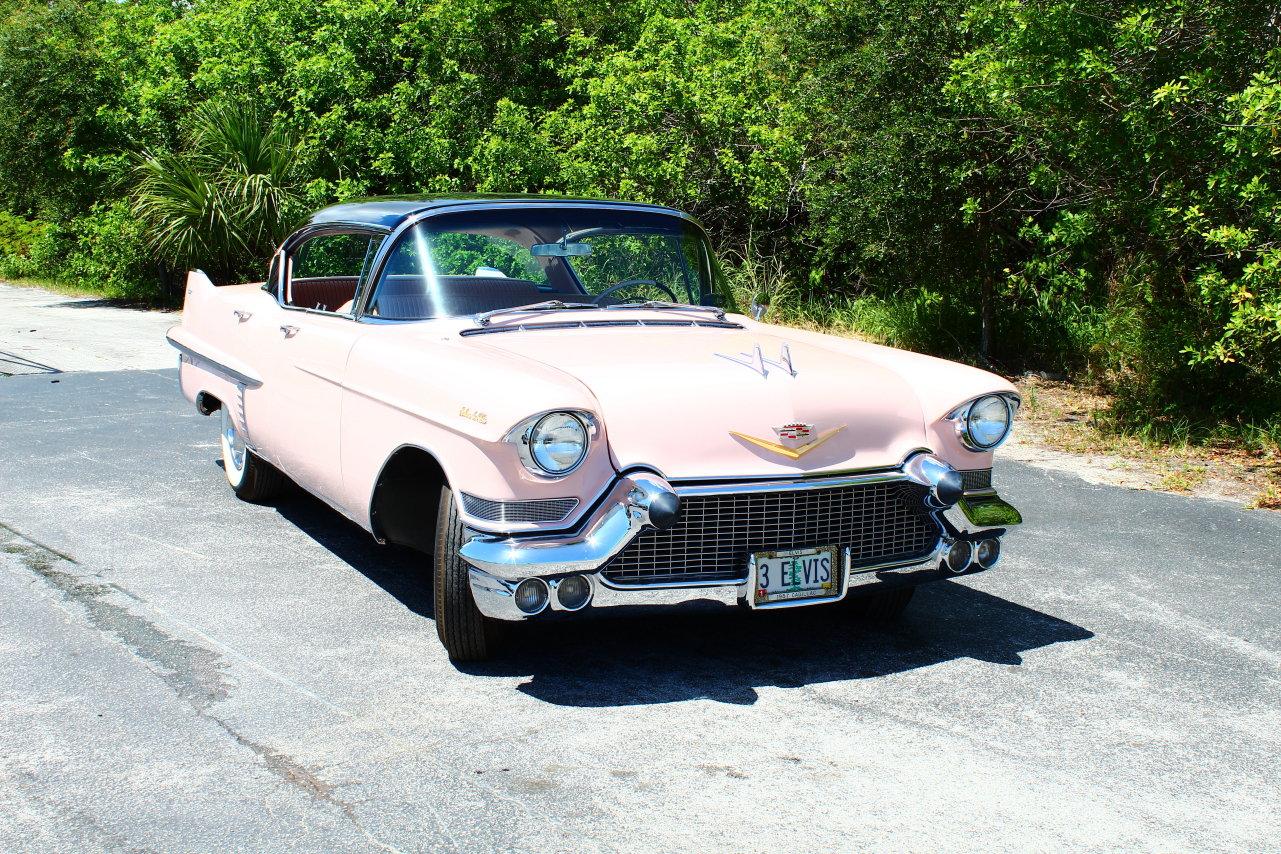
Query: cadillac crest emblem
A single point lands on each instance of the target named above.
(794, 439)
(793, 436)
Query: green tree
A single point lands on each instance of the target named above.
(52, 83)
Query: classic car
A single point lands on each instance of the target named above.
(555, 401)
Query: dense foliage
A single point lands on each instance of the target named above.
(1084, 186)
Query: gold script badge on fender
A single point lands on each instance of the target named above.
(473, 415)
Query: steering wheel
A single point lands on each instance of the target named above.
(630, 283)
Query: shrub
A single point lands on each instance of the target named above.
(19, 238)
(107, 251)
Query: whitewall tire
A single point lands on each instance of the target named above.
(251, 478)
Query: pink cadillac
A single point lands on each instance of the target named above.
(547, 396)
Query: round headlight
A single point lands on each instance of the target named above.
(558, 442)
(987, 422)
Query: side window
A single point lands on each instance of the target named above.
(326, 271)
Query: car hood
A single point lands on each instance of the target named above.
(674, 399)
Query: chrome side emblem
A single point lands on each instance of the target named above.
(757, 362)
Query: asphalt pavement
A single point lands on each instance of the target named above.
(183, 671)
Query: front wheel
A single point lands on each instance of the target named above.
(466, 634)
(250, 477)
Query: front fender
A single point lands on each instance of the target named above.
(406, 386)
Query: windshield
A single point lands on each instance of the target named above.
(477, 261)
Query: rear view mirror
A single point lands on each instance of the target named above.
(560, 250)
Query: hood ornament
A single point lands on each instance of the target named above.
(795, 440)
(757, 362)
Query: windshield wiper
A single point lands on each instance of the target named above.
(550, 305)
(660, 305)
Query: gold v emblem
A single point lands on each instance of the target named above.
(791, 453)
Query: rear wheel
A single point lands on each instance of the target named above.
(882, 606)
(251, 478)
(467, 634)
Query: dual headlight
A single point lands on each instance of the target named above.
(985, 422)
(554, 444)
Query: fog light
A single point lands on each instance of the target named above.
(988, 553)
(572, 593)
(531, 596)
(958, 556)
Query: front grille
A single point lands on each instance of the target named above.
(878, 522)
(540, 510)
(976, 479)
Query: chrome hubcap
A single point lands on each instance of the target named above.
(235, 445)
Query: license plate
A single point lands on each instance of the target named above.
(797, 576)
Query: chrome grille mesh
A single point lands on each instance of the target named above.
(541, 510)
(976, 479)
(879, 522)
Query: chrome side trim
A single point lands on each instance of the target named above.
(200, 359)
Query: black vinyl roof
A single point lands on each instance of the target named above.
(390, 211)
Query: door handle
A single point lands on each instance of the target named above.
(290, 331)
(242, 316)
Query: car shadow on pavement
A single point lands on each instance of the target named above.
(703, 650)
(727, 654)
(402, 572)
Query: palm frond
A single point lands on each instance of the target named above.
(229, 197)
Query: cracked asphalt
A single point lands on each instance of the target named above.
(182, 671)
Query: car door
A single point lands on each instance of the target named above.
(311, 336)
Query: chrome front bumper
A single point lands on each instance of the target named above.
(499, 564)
(495, 597)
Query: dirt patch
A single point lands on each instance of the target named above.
(1062, 426)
